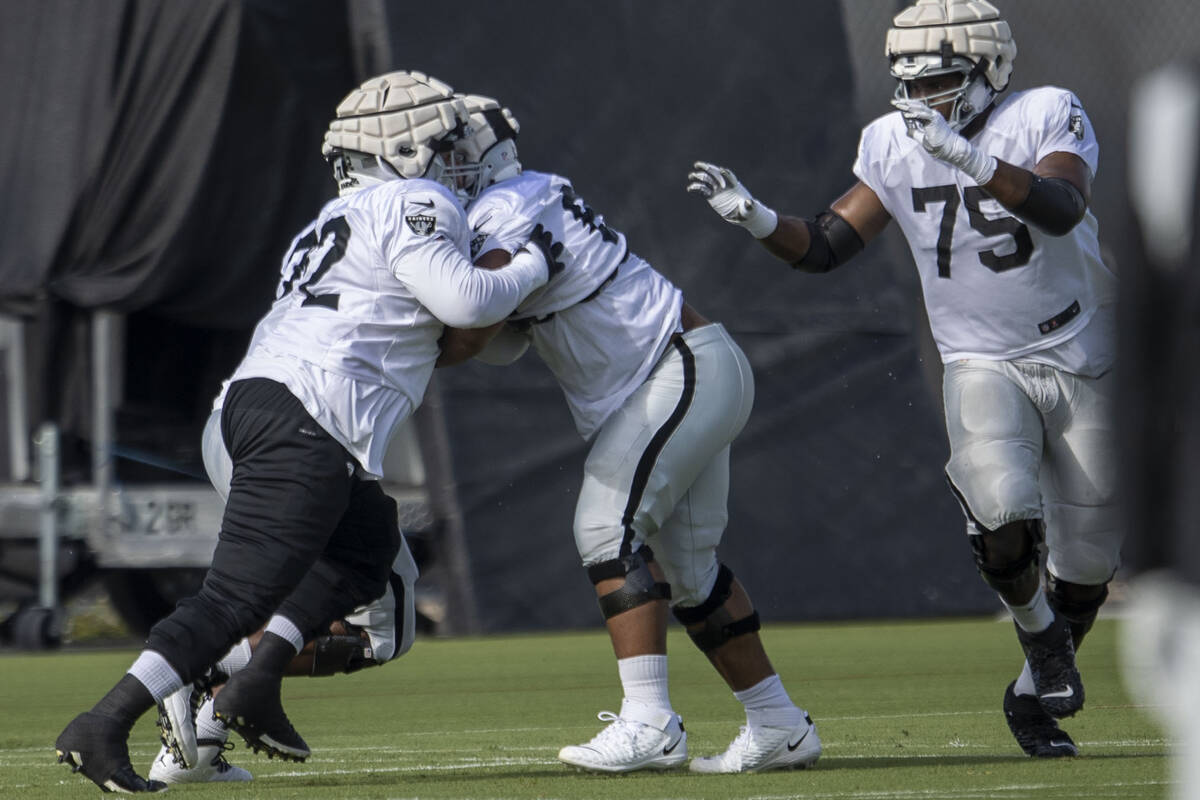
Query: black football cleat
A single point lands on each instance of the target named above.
(1036, 731)
(97, 746)
(1051, 657)
(250, 704)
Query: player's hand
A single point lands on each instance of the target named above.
(544, 241)
(725, 193)
(927, 126)
(938, 139)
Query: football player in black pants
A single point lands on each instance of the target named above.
(340, 360)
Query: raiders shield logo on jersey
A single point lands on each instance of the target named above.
(421, 224)
(1075, 123)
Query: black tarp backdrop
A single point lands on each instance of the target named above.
(838, 506)
(158, 159)
(160, 155)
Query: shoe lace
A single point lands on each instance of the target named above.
(218, 759)
(743, 749)
(617, 739)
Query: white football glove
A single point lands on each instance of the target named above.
(939, 140)
(721, 188)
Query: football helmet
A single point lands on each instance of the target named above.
(490, 142)
(398, 125)
(939, 37)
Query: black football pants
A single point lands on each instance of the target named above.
(301, 534)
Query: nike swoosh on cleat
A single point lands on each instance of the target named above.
(792, 747)
(1067, 692)
(668, 750)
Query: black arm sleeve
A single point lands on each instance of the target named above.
(1054, 205)
(833, 242)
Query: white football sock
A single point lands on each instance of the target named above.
(284, 628)
(1035, 616)
(767, 703)
(644, 679)
(156, 674)
(236, 659)
(1025, 682)
(208, 726)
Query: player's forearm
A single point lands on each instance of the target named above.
(789, 241)
(1052, 204)
(1009, 185)
(479, 297)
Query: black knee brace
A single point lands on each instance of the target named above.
(719, 626)
(333, 654)
(1077, 602)
(639, 588)
(1008, 555)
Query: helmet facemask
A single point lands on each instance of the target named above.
(490, 142)
(937, 37)
(971, 96)
(452, 169)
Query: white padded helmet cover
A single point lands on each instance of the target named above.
(972, 28)
(397, 116)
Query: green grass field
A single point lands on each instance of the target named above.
(905, 710)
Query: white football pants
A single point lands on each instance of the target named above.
(1028, 441)
(658, 470)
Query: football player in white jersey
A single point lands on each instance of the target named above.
(992, 196)
(661, 393)
(339, 361)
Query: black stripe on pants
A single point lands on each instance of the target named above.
(641, 475)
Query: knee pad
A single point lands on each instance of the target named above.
(640, 587)
(719, 626)
(1078, 603)
(333, 654)
(1008, 555)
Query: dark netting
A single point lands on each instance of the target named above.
(166, 153)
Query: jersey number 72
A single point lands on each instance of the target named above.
(333, 237)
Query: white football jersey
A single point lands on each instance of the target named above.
(600, 324)
(997, 288)
(363, 295)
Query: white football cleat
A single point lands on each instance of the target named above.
(640, 738)
(212, 766)
(176, 726)
(758, 748)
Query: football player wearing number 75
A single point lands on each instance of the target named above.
(992, 196)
